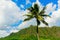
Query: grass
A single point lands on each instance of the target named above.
(45, 33)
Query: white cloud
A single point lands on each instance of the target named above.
(3, 33)
(22, 6)
(55, 18)
(59, 4)
(28, 1)
(9, 14)
(50, 8)
(27, 24)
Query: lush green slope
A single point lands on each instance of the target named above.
(30, 34)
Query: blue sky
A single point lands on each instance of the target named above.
(43, 2)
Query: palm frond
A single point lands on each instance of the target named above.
(44, 15)
(28, 15)
(27, 19)
(44, 8)
(31, 9)
(36, 7)
(42, 11)
(44, 22)
(34, 13)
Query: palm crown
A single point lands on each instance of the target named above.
(38, 15)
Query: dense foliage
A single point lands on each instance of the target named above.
(45, 33)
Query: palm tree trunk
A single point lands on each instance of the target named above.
(37, 31)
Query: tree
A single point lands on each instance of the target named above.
(38, 15)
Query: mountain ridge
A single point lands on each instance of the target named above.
(45, 33)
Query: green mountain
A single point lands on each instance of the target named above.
(45, 33)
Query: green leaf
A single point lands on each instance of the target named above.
(36, 7)
(44, 22)
(27, 19)
(40, 18)
(44, 15)
(28, 15)
(44, 8)
(42, 11)
(31, 9)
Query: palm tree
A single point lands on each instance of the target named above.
(38, 15)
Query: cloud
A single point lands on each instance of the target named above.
(28, 1)
(58, 4)
(9, 14)
(50, 8)
(27, 24)
(3, 33)
(22, 6)
(55, 18)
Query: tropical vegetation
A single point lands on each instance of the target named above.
(46, 33)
